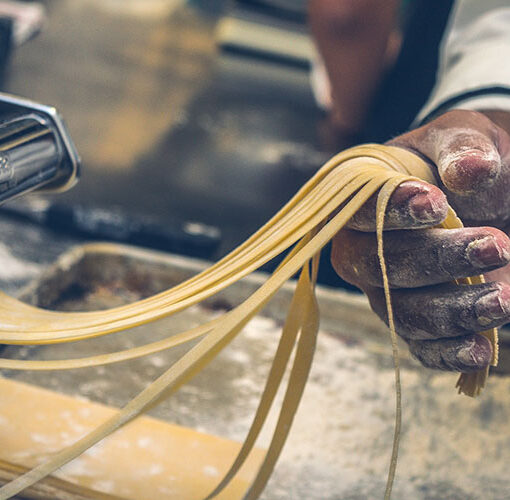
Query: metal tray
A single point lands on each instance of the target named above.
(452, 447)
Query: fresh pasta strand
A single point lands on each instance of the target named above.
(305, 224)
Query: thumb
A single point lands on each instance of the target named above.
(463, 146)
(467, 160)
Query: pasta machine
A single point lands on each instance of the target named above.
(36, 151)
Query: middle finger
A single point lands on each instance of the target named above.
(419, 258)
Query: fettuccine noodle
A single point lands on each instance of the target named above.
(307, 223)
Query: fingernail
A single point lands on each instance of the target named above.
(467, 170)
(423, 207)
(486, 252)
(492, 307)
(475, 354)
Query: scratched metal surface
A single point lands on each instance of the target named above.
(452, 447)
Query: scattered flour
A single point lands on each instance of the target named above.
(210, 470)
(13, 268)
(144, 442)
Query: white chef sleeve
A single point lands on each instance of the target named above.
(474, 64)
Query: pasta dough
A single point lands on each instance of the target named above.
(304, 225)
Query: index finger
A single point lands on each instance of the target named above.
(413, 205)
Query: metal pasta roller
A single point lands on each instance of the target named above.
(36, 151)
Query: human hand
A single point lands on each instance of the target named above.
(438, 319)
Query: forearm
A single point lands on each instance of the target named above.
(352, 38)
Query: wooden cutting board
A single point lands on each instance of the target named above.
(147, 459)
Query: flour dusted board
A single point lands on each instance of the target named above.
(338, 447)
(147, 459)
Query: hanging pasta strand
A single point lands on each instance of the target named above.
(322, 207)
